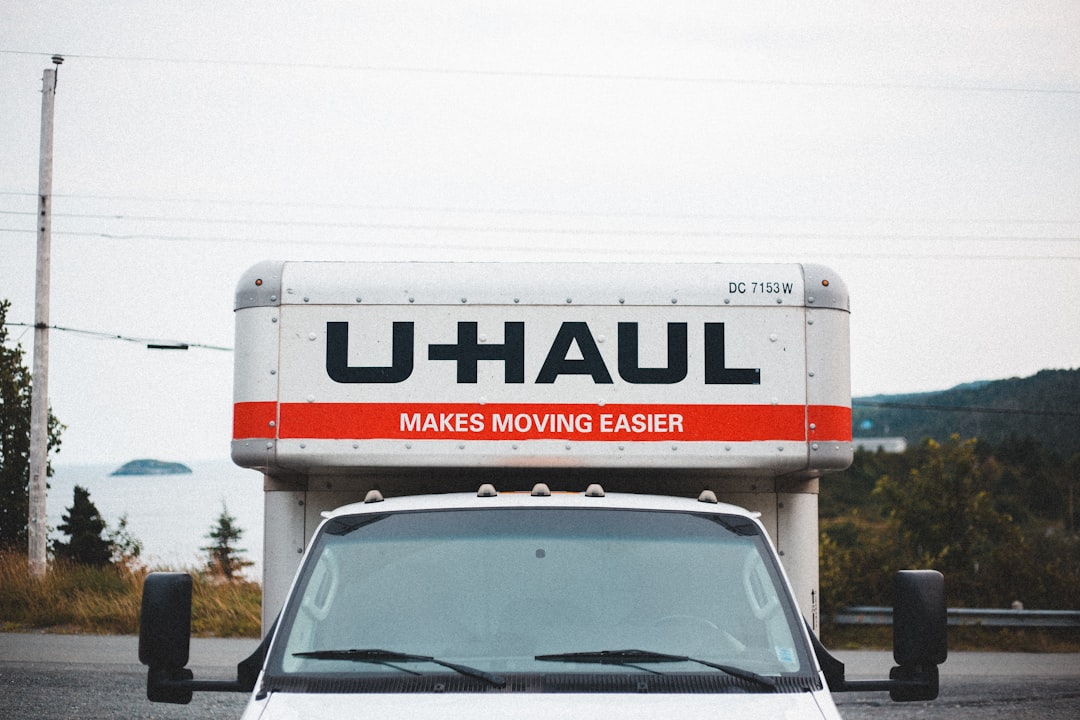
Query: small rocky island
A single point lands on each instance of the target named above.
(152, 467)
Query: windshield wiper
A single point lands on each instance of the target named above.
(386, 657)
(633, 657)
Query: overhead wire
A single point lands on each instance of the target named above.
(847, 252)
(565, 231)
(855, 402)
(842, 235)
(534, 212)
(561, 75)
(541, 212)
(151, 343)
(895, 405)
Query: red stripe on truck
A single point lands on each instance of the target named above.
(254, 420)
(526, 421)
(829, 423)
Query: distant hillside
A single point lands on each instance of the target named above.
(1045, 406)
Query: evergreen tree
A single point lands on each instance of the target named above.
(15, 441)
(125, 547)
(84, 526)
(224, 557)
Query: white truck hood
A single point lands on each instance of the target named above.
(432, 706)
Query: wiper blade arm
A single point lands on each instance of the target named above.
(382, 657)
(632, 657)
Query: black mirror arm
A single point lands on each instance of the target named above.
(831, 667)
(176, 685)
(904, 683)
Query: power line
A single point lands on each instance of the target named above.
(759, 234)
(543, 212)
(158, 344)
(535, 212)
(151, 343)
(356, 224)
(964, 409)
(636, 232)
(583, 233)
(553, 75)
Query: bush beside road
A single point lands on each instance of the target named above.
(83, 599)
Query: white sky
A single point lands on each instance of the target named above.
(927, 151)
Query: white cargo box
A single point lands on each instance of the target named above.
(726, 368)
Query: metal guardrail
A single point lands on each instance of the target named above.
(871, 615)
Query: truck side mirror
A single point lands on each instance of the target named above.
(165, 635)
(920, 634)
(919, 641)
(165, 644)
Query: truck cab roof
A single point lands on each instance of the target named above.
(540, 496)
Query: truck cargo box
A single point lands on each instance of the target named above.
(730, 368)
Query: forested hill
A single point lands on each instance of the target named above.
(1045, 407)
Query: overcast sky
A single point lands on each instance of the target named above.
(928, 151)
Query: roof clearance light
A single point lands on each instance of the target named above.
(258, 282)
(825, 283)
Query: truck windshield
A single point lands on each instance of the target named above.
(542, 591)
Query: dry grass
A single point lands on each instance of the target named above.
(80, 599)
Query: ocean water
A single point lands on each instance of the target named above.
(171, 515)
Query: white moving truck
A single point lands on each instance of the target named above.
(551, 489)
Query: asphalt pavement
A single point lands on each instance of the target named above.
(47, 676)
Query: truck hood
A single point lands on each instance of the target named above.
(786, 706)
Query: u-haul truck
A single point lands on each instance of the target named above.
(550, 489)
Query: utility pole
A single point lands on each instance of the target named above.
(39, 397)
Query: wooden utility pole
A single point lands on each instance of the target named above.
(39, 397)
